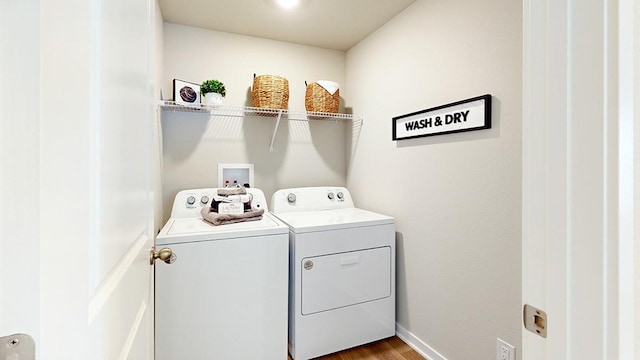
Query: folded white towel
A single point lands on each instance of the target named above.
(330, 86)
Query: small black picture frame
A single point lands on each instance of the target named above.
(460, 116)
(186, 93)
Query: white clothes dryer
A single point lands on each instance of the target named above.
(341, 271)
(225, 296)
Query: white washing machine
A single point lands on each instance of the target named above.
(341, 271)
(225, 296)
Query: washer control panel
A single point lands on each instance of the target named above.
(311, 199)
(188, 203)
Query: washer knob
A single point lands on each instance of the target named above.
(191, 200)
(204, 199)
(330, 196)
(291, 198)
(340, 195)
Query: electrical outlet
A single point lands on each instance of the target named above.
(505, 351)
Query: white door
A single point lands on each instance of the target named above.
(578, 178)
(76, 217)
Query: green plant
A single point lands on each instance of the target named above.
(213, 86)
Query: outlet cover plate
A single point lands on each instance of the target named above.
(505, 351)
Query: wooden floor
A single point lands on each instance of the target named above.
(388, 349)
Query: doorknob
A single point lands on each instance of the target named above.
(164, 254)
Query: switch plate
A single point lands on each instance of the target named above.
(505, 351)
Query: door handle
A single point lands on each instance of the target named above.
(351, 260)
(164, 254)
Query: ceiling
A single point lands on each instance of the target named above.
(330, 24)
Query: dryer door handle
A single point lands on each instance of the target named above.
(350, 260)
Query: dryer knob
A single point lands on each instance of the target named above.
(330, 196)
(191, 200)
(340, 195)
(204, 199)
(308, 265)
(291, 198)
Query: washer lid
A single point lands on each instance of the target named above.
(310, 221)
(183, 230)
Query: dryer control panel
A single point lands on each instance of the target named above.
(311, 199)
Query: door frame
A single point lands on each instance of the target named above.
(578, 150)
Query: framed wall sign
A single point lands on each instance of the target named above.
(465, 115)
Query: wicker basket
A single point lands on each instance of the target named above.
(318, 99)
(270, 91)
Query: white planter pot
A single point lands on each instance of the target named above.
(212, 99)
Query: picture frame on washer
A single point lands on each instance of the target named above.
(186, 93)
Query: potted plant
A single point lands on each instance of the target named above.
(213, 91)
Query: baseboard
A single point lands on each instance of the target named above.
(418, 345)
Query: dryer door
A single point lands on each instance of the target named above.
(345, 279)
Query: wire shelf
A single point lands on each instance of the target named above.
(244, 111)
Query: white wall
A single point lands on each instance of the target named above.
(304, 153)
(457, 197)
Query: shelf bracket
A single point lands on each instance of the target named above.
(275, 131)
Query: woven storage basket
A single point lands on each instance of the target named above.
(320, 100)
(270, 91)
